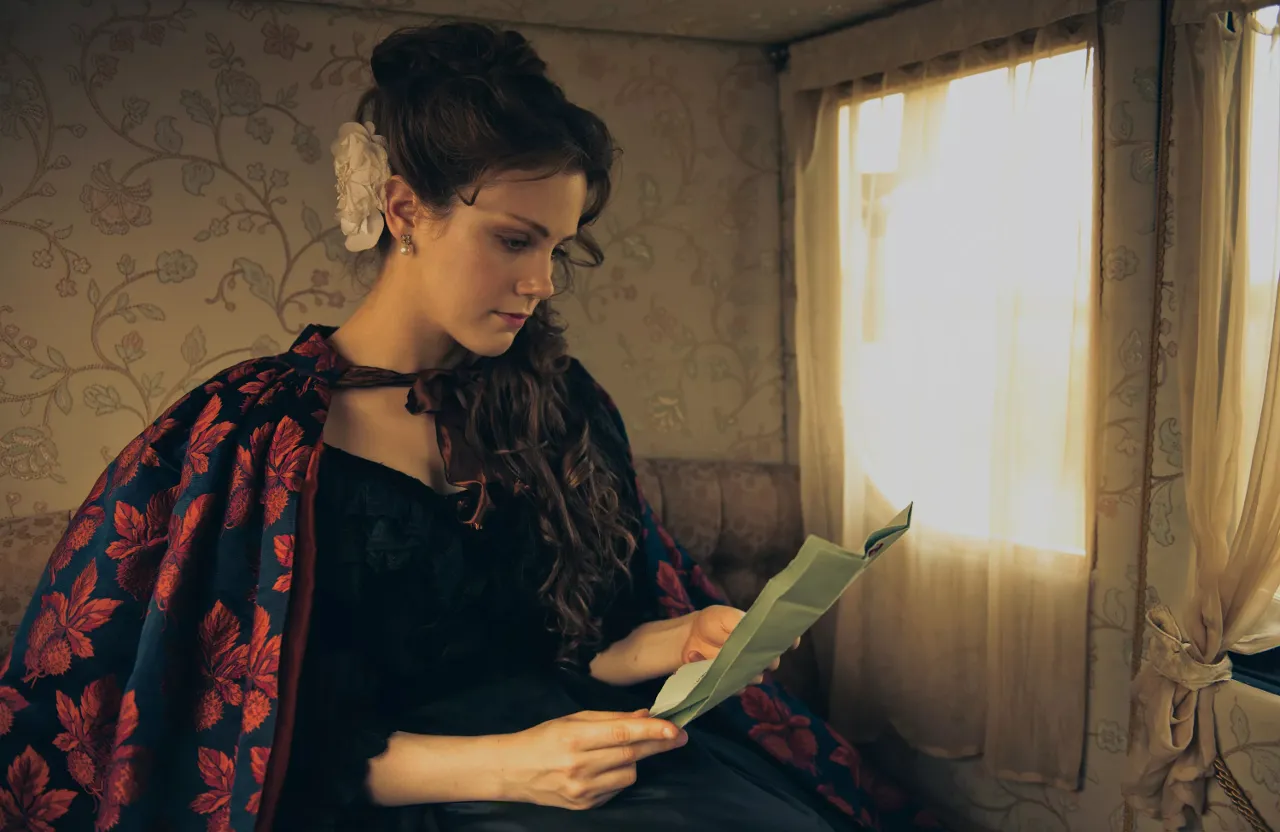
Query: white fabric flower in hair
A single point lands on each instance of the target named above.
(360, 165)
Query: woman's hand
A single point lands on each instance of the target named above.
(582, 760)
(708, 630)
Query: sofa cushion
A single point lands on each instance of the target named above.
(739, 520)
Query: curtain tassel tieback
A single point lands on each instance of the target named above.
(1177, 659)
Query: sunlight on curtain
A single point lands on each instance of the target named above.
(1262, 221)
(967, 240)
(968, 289)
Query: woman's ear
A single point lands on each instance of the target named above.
(402, 207)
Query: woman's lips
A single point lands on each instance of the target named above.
(513, 321)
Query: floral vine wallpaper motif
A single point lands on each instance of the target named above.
(751, 21)
(166, 210)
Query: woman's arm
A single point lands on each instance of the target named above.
(575, 762)
(651, 651)
(426, 769)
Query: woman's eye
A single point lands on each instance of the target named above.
(560, 253)
(514, 243)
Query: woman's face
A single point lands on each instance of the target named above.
(479, 273)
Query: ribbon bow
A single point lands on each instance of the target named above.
(447, 396)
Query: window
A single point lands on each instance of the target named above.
(967, 213)
(1262, 224)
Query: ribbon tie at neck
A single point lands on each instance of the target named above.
(447, 396)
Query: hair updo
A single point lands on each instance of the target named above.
(457, 103)
(461, 101)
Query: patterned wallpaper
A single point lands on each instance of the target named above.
(166, 200)
(752, 21)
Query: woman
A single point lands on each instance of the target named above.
(296, 602)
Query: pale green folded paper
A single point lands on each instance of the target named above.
(787, 607)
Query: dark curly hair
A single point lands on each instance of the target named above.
(459, 102)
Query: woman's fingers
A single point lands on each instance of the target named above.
(598, 733)
(610, 759)
(605, 716)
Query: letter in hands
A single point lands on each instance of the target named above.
(583, 760)
(709, 629)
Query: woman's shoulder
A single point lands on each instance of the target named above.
(583, 389)
(242, 396)
(587, 396)
(242, 386)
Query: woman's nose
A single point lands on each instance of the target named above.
(536, 280)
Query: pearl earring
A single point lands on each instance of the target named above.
(406, 243)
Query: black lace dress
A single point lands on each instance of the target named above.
(421, 624)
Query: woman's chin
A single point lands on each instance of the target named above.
(490, 346)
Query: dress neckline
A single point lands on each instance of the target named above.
(383, 469)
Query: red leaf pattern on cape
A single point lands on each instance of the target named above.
(258, 391)
(139, 538)
(121, 784)
(10, 703)
(248, 461)
(261, 680)
(283, 544)
(99, 488)
(25, 806)
(886, 796)
(206, 434)
(286, 467)
(672, 594)
(141, 451)
(240, 371)
(182, 533)
(10, 700)
(82, 529)
(784, 735)
(829, 792)
(317, 347)
(58, 632)
(90, 731)
(218, 772)
(223, 667)
(847, 756)
(258, 758)
(673, 548)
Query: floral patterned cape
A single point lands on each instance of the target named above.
(152, 680)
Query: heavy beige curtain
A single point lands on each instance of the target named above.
(947, 290)
(1223, 180)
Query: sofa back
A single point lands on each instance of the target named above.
(739, 520)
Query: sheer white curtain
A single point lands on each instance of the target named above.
(959, 339)
(1224, 179)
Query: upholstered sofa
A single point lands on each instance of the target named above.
(741, 521)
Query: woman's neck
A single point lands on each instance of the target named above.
(385, 332)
